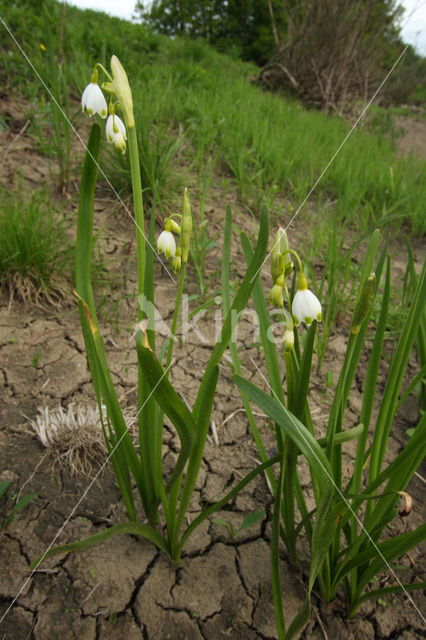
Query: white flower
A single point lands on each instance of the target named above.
(306, 307)
(93, 100)
(115, 127)
(166, 243)
(115, 131)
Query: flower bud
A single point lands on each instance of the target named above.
(177, 264)
(280, 258)
(121, 88)
(171, 225)
(277, 262)
(288, 340)
(276, 296)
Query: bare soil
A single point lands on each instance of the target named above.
(125, 588)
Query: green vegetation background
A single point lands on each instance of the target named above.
(194, 103)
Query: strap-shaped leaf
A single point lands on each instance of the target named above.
(133, 528)
(239, 303)
(377, 557)
(167, 397)
(316, 458)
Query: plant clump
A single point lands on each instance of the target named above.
(35, 251)
(74, 436)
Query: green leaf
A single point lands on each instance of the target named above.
(133, 528)
(269, 348)
(4, 486)
(375, 593)
(376, 557)
(238, 305)
(320, 467)
(23, 502)
(166, 396)
(228, 525)
(259, 300)
(251, 519)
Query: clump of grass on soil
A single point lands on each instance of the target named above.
(35, 250)
(74, 437)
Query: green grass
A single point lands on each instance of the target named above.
(194, 102)
(196, 108)
(35, 251)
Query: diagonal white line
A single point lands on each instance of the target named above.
(86, 491)
(83, 144)
(345, 139)
(347, 503)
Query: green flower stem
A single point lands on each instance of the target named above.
(148, 442)
(175, 315)
(175, 488)
(100, 66)
(174, 491)
(293, 253)
(289, 471)
(275, 556)
(138, 204)
(287, 295)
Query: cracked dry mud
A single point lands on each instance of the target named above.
(125, 588)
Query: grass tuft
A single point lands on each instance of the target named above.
(35, 250)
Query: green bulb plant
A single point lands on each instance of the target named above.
(346, 529)
(160, 496)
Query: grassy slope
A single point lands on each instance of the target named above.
(269, 145)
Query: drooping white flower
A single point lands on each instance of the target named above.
(166, 243)
(115, 131)
(306, 307)
(115, 127)
(93, 100)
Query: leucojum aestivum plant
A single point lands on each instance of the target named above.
(142, 463)
(346, 529)
(346, 526)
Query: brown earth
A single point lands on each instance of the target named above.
(125, 588)
(413, 136)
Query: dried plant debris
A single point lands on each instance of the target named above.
(30, 292)
(74, 436)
